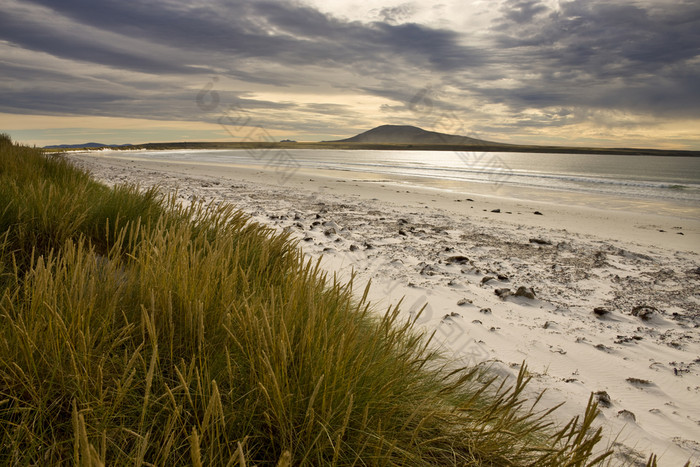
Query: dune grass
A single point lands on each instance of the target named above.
(137, 331)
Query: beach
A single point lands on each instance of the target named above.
(595, 294)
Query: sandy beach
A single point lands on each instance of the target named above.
(597, 295)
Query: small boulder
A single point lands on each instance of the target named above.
(457, 259)
(485, 279)
(644, 312)
(503, 293)
(526, 292)
(627, 415)
(603, 399)
(600, 311)
(464, 302)
(496, 210)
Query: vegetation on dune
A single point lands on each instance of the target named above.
(134, 330)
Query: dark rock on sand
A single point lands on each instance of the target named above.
(639, 382)
(457, 259)
(463, 302)
(496, 210)
(485, 279)
(644, 312)
(603, 399)
(537, 213)
(502, 293)
(540, 241)
(526, 292)
(627, 415)
(601, 311)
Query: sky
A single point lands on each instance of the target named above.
(581, 72)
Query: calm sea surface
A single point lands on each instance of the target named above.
(638, 177)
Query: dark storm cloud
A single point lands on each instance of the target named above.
(603, 55)
(287, 33)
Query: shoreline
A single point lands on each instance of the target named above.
(486, 146)
(437, 248)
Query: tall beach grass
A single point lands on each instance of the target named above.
(137, 331)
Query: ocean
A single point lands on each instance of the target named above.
(673, 180)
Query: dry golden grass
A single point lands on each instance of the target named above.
(135, 331)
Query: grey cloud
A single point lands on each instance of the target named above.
(398, 13)
(582, 56)
(605, 54)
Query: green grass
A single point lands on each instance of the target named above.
(135, 331)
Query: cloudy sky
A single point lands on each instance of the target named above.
(585, 72)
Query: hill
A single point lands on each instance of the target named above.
(406, 134)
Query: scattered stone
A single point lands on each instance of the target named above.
(368, 246)
(502, 293)
(308, 239)
(503, 277)
(599, 259)
(547, 324)
(601, 311)
(454, 314)
(329, 232)
(402, 232)
(540, 241)
(526, 292)
(603, 348)
(627, 339)
(496, 210)
(402, 221)
(485, 279)
(464, 301)
(476, 321)
(427, 270)
(627, 415)
(354, 248)
(537, 213)
(644, 312)
(680, 233)
(486, 311)
(457, 259)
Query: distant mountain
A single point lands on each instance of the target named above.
(85, 145)
(406, 134)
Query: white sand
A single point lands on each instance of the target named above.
(401, 237)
